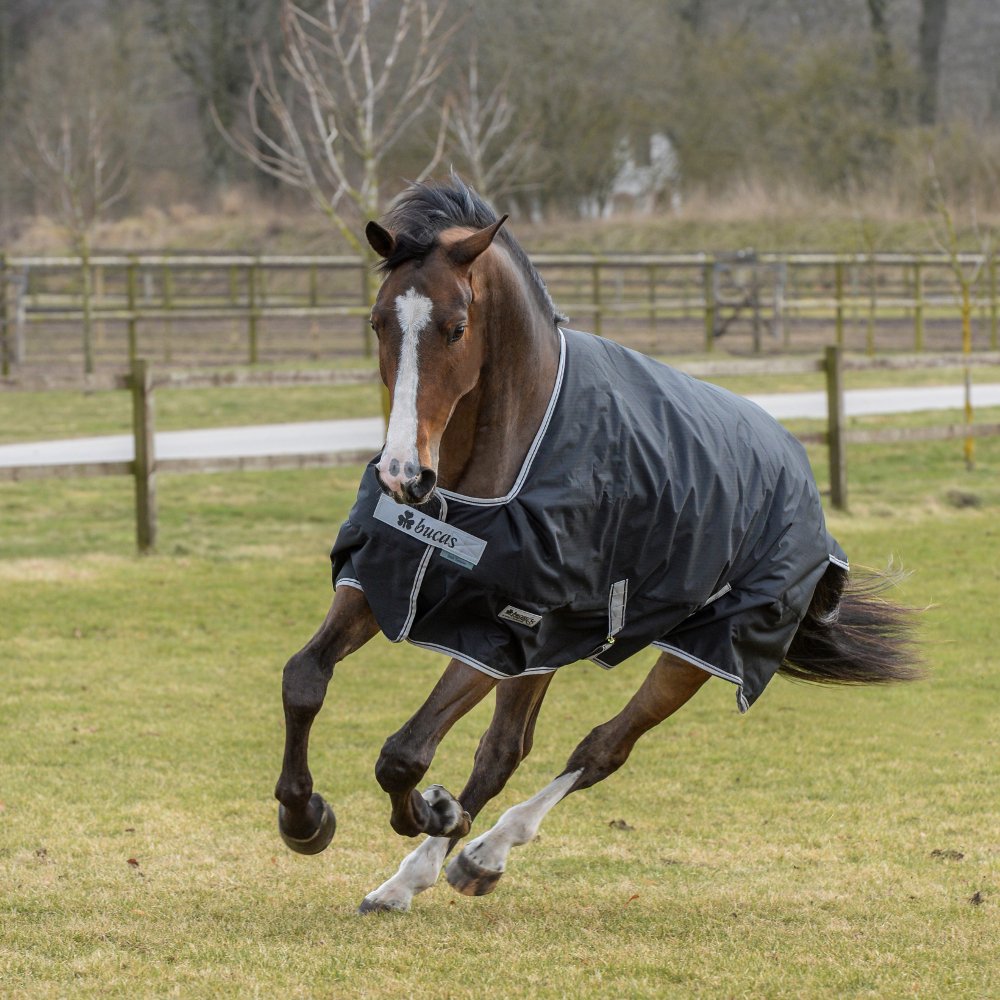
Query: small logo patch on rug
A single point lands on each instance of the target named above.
(513, 614)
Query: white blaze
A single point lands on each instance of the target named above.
(414, 313)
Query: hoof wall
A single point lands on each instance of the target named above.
(370, 905)
(470, 879)
(323, 827)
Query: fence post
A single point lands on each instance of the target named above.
(781, 330)
(595, 294)
(838, 291)
(130, 288)
(367, 301)
(755, 298)
(252, 274)
(872, 305)
(994, 310)
(86, 277)
(168, 305)
(918, 306)
(969, 445)
(651, 275)
(835, 426)
(100, 329)
(143, 424)
(313, 303)
(5, 351)
(708, 298)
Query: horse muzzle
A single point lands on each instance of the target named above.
(407, 483)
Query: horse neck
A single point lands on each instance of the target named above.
(488, 436)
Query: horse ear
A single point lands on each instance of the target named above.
(464, 252)
(380, 240)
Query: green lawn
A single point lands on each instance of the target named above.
(831, 843)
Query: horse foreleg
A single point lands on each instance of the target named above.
(407, 754)
(507, 741)
(669, 685)
(503, 746)
(306, 822)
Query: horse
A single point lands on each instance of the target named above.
(545, 496)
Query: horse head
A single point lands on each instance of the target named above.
(431, 348)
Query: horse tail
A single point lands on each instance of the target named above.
(852, 635)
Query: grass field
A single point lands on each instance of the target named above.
(828, 844)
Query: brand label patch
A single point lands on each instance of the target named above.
(456, 545)
(513, 614)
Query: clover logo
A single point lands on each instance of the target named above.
(405, 520)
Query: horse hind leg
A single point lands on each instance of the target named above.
(669, 685)
(478, 869)
(504, 745)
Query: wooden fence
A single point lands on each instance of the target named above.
(142, 382)
(200, 308)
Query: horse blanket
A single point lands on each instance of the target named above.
(651, 509)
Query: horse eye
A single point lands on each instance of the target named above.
(456, 333)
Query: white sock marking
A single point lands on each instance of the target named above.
(414, 313)
(518, 825)
(418, 871)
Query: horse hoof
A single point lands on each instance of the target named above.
(371, 905)
(470, 879)
(315, 834)
(450, 819)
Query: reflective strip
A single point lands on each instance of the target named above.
(617, 599)
(721, 592)
(616, 607)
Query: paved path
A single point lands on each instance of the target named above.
(368, 433)
(862, 402)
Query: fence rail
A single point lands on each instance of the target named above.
(143, 381)
(242, 308)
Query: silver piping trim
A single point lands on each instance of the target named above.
(721, 592)
(418, 581)
(473, 662)
(708, 668)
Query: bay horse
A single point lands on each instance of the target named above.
(546, 496)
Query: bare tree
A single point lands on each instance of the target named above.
(74, 161)
(357, 88)
(885, 60)
(949, 244)
(207, 41)
(497, 159)
(69, 145)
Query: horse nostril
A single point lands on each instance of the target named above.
(420, 488)
(410, 470)
(394, 467)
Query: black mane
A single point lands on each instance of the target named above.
(423, 211)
